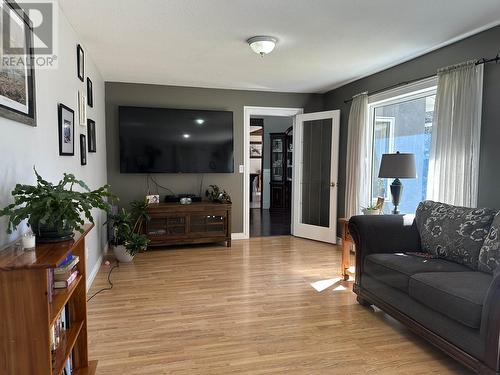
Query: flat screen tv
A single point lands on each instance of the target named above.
(162, 140)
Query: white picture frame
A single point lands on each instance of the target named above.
(82, 108)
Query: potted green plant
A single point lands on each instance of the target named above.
(55, 211)
(371, 210)
(215, 194)
(127, 229)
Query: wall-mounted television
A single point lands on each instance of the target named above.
(164, 140)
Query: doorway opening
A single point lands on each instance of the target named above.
(268, 169)
(271, 168)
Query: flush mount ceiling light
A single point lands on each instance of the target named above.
(262, 44)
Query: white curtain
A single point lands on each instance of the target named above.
(358, 157)
(456, 132)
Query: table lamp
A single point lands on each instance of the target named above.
(397, 166)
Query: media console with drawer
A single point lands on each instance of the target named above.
(198, 222)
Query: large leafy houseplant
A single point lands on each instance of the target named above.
(54, 211)
(127, 231)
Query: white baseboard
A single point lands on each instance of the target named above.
(91, 276)
(238, 236)
(339, 241)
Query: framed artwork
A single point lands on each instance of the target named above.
(91, 135)
(90, 94)
(80, 62)
(83, 149)
(17, 81)
(66, 130)
(82, 108)
(255, 149)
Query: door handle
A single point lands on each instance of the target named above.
(333, 184)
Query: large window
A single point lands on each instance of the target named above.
(403, 123)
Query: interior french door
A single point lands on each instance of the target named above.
(316, 150)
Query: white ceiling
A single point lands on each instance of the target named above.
(322, 43)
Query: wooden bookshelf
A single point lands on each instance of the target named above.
(27, 316)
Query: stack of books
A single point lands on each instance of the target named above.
(66, 272)
(62, 324)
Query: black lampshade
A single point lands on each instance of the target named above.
(398, 165)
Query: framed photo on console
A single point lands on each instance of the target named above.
(91, 135)
(66, 118)
(17, 81)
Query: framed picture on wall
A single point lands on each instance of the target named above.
(17, 79)
(90, 94)
(83, 149)
(91, 135)
(82, 108)
(80, 62)
(255, 149)
(66, 124)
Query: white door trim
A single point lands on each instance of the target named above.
(305, 230)
(257, 111)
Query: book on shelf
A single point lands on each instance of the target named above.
(67, 282)
(67, 266)
(68, 367)
(61, 324)
(66, 260)
(64, 276)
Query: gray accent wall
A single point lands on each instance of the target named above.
(133, 186)
(485, 44)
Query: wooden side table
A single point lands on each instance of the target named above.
(347, 242)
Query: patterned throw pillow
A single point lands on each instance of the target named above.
(453, 233)
(489, 257)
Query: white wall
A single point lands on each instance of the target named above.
(23, 146)
(255, 165)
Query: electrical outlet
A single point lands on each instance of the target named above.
(242, 168)
(86, 253)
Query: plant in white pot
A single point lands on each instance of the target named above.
(128, 240)
(372, 210)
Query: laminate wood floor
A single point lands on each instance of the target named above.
(249, 309)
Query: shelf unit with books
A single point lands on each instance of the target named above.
(28, 314)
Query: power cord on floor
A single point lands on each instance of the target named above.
(109, 282)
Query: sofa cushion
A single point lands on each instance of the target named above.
(395, 269)
(457, 295)
(453, 233)
(489, 256)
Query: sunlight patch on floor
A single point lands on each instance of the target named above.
(325, 284)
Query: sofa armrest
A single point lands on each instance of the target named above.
(490, 323)
(382, 234)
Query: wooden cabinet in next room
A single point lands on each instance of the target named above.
(281, 170)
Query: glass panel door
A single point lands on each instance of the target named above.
(316, 166)
(315, 178)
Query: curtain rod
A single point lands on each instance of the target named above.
(495, 59)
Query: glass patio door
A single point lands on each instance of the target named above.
(316, 140)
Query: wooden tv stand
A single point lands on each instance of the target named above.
(198, 222)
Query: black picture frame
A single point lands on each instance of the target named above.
(83, 149)
(66, 124)
(80, 62)
(256, 149)
(91, 135)
(19, 104)
(90, 93)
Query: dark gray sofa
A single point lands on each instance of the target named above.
(451, 299)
